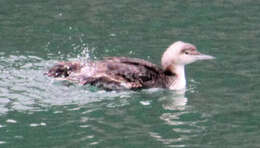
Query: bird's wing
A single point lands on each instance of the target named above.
(135, 61)
(136, 73)
(110, 73)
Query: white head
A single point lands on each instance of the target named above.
(181, 53)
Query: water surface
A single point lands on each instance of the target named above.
(219, 109)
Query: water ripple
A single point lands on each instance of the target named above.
(24, 87)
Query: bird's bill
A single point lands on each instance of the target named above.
(204, 57)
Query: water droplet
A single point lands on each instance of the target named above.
(83, 126)
(145, 103)
(112, 34)
(2, 142)
(94, 143)
(58, 112)
(90, 137)
(43, 124)
(10, 121)
(74, 109)
(34, 124)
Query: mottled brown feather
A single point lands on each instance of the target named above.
(113, 73)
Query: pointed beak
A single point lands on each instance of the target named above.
(204, 57)
(200, 56)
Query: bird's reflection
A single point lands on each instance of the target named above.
(174, 100)
(176, 117)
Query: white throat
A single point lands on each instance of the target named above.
(180, 82)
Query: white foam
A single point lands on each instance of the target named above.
(10, 121)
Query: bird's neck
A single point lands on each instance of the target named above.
(179, 81)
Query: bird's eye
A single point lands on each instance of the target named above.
(186, 52)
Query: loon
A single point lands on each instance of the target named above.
(120, 73)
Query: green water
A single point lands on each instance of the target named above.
(220, 108)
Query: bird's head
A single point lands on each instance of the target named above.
(181, 53)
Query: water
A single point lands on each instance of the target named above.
(219, 109)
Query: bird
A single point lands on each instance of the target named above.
(125, 73)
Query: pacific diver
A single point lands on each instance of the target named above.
(117, 73)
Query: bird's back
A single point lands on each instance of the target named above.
(114, 73)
